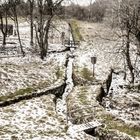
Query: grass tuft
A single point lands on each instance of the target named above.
(17, 93)
(24, 91)
(76, 31)
(112, 123)
(59, 73)
(87, 74)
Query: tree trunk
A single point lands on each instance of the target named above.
(138, 47)
(4, 29)
(31, 22)
(138, 40)
(5, 34)
(47, 33)
(41, 33)
(128, 60)
(4, 40)
(17, 28)
(43, 53)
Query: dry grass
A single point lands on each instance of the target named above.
(76, 30)
(24, 91)
(114, 124)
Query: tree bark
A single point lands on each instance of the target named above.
(47, 33)
(41, 33)
(128, 59)
(4, 28)
(4, 40)
(17, 28)
(138, 40)
(31, 22)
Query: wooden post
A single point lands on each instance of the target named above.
(62, 37)
(93, 61)
(93, 70)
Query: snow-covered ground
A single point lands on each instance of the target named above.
(38, 118)
(22, 72)
(17, 72)
(101, 48)
(100, 42)
(35, 119)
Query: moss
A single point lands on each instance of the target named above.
(120, 126)
(78, 119)
(51, 108)
(134, 132)
(82, 95)
(84, 88)
(41, 121)
(87, 74)
(59, 73)
(11, 110)
(55, 133)
(88, 110)
(24, 91)
(82, 98)
(14, 137)
(19, 92)
(51, 113)
(6, 129)
(76, 31)
(66, 128)
(41, 85)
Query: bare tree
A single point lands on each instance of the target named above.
(4, 20)
(13, 6)
(31, 21)
(127, 12)
(95, 11)
(90, 8)
(44, 23)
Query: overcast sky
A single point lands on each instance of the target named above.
(82, 2)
